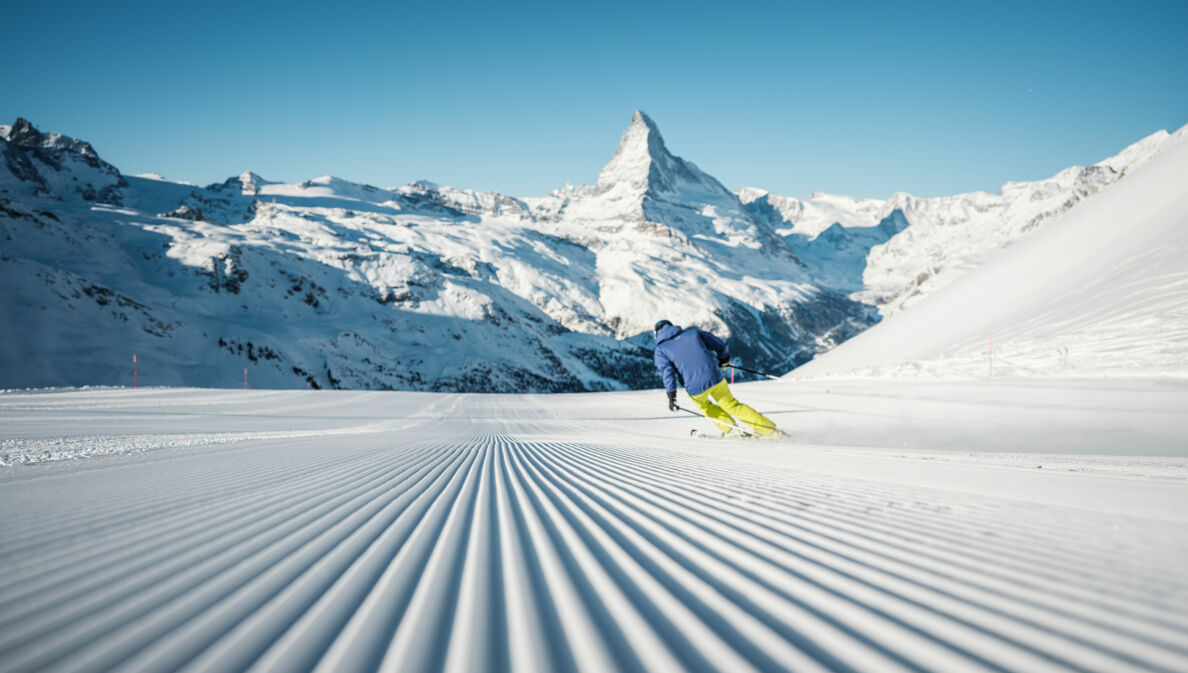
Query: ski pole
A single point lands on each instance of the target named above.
(740, 429)
(746, 433)
(773, 377)
(691, 412)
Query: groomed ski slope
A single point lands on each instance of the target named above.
(912, 527)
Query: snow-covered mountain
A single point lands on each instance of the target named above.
(339, 284)
(892, 253)
(53, 165)
(1101, 291)
(334, 283)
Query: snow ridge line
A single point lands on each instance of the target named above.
(506, 552)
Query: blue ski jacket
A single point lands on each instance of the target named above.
(692, 355)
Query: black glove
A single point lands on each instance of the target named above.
(672, 401)
(723, 362)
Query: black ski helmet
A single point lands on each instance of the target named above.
(660, 324)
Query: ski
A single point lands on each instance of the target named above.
(708, 435)
(783, 437)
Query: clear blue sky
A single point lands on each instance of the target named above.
(862, 98)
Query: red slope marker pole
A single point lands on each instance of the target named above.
(135, 376)
(245, 378)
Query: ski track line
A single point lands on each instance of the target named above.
(747, 565)
(246, 483)
(838, 560)
(152, 554)
(908, 529)
(166, 584)
(497, 546)
(871, 503)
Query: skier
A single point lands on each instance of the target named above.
(695, 358)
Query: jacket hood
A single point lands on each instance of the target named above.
(667, 332)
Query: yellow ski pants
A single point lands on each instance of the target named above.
(724, 406)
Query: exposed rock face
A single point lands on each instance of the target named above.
(675, 243)
(185, 212)
(57, 165)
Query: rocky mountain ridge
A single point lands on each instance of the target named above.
(331, 283)
(892, 253)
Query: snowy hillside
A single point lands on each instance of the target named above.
(893, 253)
(1101, 291)
(330, 283)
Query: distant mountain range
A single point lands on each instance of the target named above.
(330, 283)
(1100, 292)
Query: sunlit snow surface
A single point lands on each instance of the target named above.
(1021, 508)
(896, 252)
(1101, 291)
(1027, 526)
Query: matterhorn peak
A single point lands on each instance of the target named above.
(641, 118)
(639, 149)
